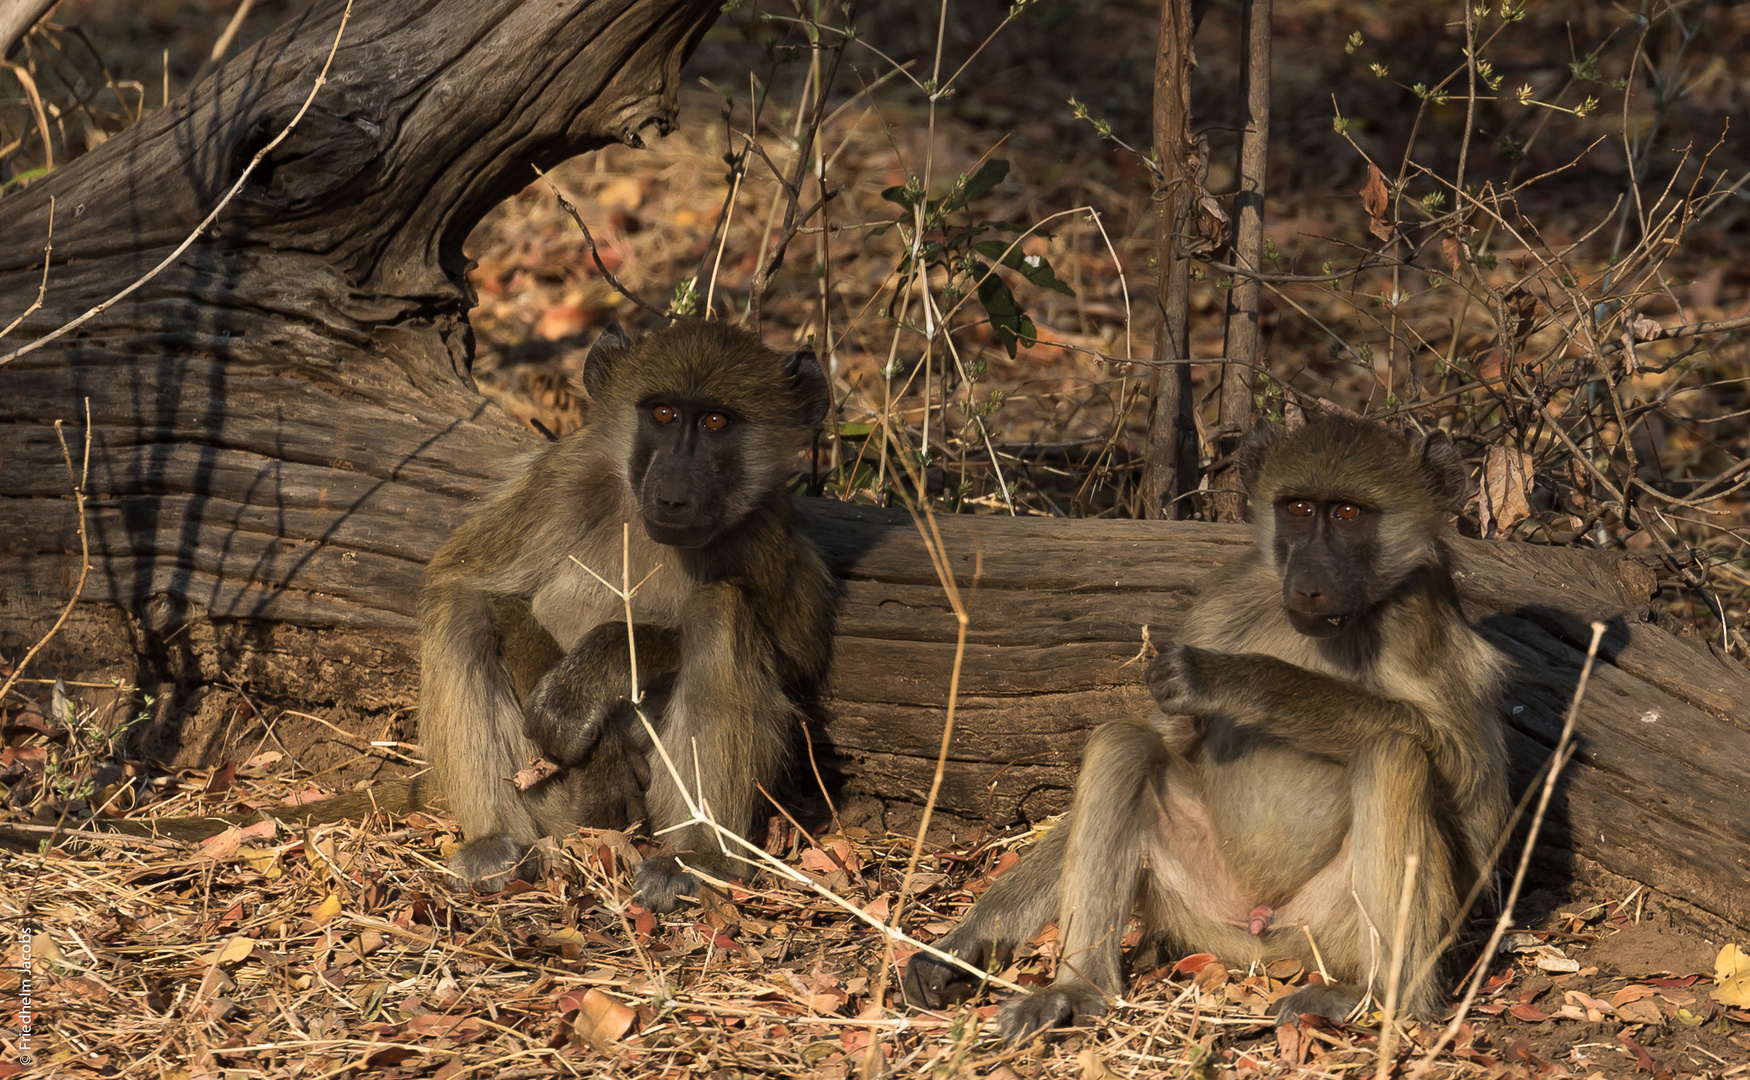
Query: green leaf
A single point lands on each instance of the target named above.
(1005, 315)
(989, 175)
(900, 194)
(1035, 268)
(997, 249)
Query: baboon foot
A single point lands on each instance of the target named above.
(930, 982)
(661, 884)
(489, 863)
(1025, 1017)
(1333, 1001)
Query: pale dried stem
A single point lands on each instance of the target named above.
(43, 286)
(1388, 1028)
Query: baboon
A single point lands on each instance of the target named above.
(690, 437)
(691, 433)
(1325, 714)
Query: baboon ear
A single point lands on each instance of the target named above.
(812, 390)
(1440, 460)
(607, 348)
(1252, 449)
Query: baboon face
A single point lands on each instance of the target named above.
(1348, 511)
(686, 457)
(711, 420)
(1325, 548)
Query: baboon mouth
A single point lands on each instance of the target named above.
(1317, 624)
(681, 534)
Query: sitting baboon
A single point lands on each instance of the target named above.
(1325, 714)
(681, 470)
(691, 435)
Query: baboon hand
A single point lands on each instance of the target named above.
(1058, 1003)
(929, 982)
(564, 716)
(489, 863)
(1173, 679)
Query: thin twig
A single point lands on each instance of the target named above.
(1388, 1028)
(43, 286)
(608, 275)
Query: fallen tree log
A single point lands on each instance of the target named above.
(283, 430)
(1658, 792)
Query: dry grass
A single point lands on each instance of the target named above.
(342, 951)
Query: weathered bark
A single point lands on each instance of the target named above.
(284, 431)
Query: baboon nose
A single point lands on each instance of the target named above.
(1308, 597)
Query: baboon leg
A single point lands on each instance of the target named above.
(463, 675)
(1393, 793)
(729, 730)
(1012, 910)
(1119, 796)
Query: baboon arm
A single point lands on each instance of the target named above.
(1312, 711)
(607, 651)
(564, 713)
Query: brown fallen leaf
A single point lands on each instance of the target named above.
(1633, 992)
(232, 951)
(222, 846)
(1092, 1067)
(601, 1019)
(1453, 252)
(1640, 1012)
(1377, 202)
(533, 773)
(1503, 499)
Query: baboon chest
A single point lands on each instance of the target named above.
(572, 601)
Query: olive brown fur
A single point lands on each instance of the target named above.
(691, 436)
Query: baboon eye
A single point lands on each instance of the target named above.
(1300, 508)
(716, 421)
(1346, 511)
(664, 414)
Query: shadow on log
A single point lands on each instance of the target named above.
(284, 430)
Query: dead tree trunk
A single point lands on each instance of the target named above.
(284, 430)
(1169, 467)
